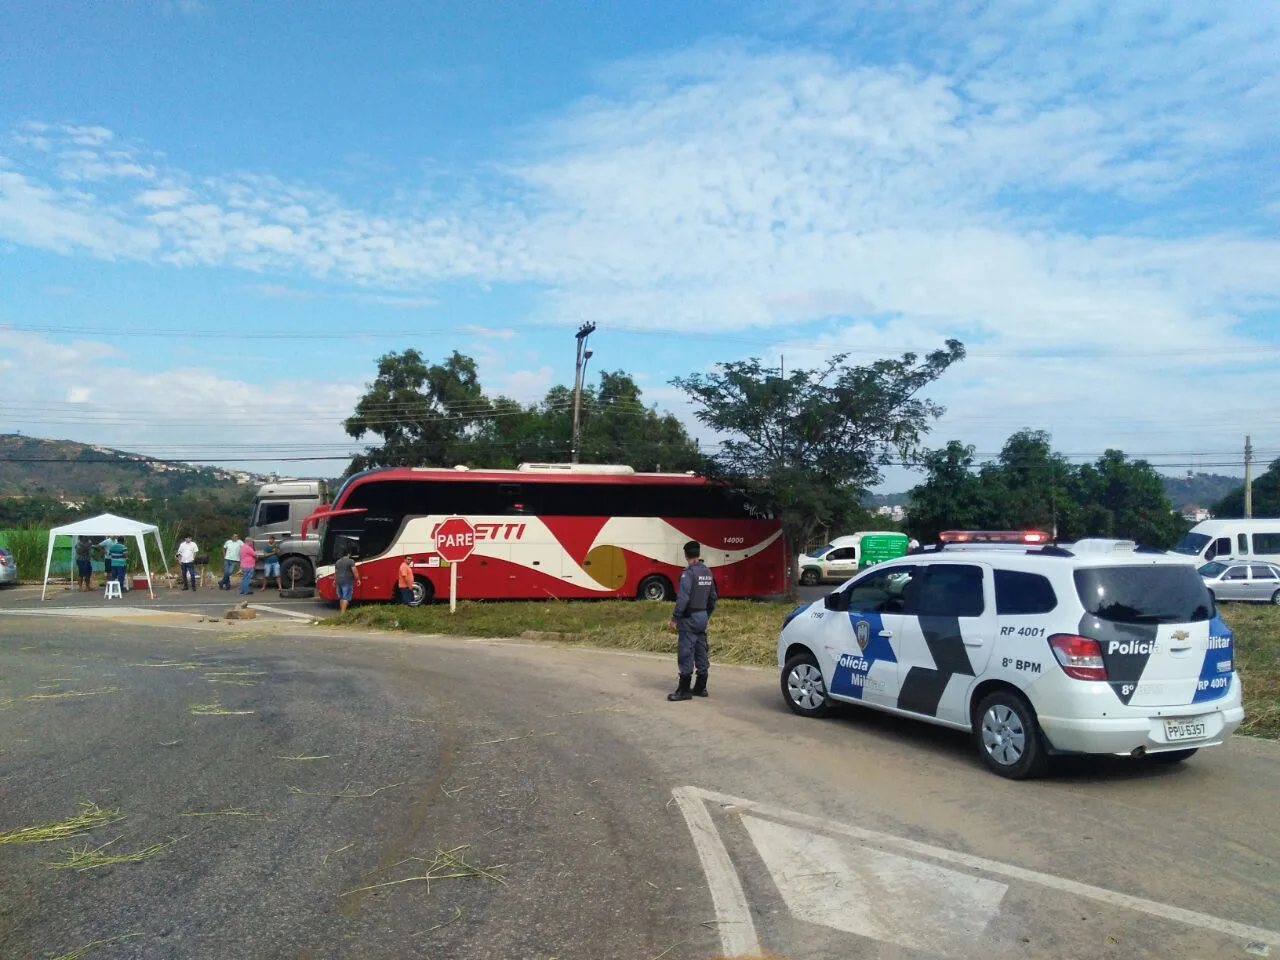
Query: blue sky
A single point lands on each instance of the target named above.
(1084, 193)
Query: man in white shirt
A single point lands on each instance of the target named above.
(230, 561)
(187, 551)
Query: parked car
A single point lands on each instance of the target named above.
(1096, 648)
(1242, 581)
(8, 568)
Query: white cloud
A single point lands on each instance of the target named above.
(1031, 179)
(526, 386)
(191, 412)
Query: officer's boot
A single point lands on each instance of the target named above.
(700, 685)
(681, 692)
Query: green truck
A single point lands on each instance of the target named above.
(845, 556)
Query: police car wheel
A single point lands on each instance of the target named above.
(1008, 736)
(809, 578)
(803, 687)
(1171, 756)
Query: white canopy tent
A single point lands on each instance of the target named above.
(108, 525)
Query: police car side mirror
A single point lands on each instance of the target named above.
(832, 601)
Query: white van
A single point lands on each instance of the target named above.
(1232, 540)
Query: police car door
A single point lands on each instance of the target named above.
(863, 629)
(946, 638)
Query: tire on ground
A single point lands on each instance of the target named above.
(654, 587)
(998, 721)
(804, 688)
(305, 574)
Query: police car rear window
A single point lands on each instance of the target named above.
(1019, 594)
(1149, 594)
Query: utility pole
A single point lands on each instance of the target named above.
(579, 372)
(1248, 478)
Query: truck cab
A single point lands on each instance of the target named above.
(279, 508)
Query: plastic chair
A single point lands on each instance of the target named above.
(113, 590)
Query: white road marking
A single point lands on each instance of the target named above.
(692, 796)
(875, 894)
(733, 915)
(106, 612)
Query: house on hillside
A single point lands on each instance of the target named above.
(1194, 513)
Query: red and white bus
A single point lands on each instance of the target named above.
(549, 530)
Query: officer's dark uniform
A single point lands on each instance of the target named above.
(695, 602)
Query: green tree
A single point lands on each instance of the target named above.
(1266, 496)
(617, 427)
(953, 496)
(807, 446)
(1118, 497)
(423, 413)
(1029, 486)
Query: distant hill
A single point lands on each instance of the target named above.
(32, 467)
(1202, 489)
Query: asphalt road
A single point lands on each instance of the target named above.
(620, 825)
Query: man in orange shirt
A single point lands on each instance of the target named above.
(404, 582)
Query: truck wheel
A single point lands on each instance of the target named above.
(809, 578)
(654, 587)
(423, 592)
(296, 573)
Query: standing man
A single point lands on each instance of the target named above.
(695, 602)
(84, 563)
(271, 563)
(346, 578)
(230, 560)
(187, 551)
(248, 560)
(404, 581)
(119, 560)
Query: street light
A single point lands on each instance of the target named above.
(579, 371)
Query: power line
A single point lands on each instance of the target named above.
(1047, 353)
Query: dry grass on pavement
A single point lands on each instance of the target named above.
(745, 632)
(742, 631)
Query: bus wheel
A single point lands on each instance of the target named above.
(423, 592)
(654, 587)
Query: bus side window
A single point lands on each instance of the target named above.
(1222, 547)
(1243, 540)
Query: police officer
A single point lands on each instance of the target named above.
(695, 602)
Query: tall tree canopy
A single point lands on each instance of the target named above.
(1266, 496)
(808, 445)
(439, 415)
(1029, 485)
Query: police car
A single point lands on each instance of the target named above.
(1099, 647)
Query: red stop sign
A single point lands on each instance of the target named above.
(455, 539)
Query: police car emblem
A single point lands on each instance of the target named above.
(1181, 635)
(862, 630)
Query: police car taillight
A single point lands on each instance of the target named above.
(1080, 657)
